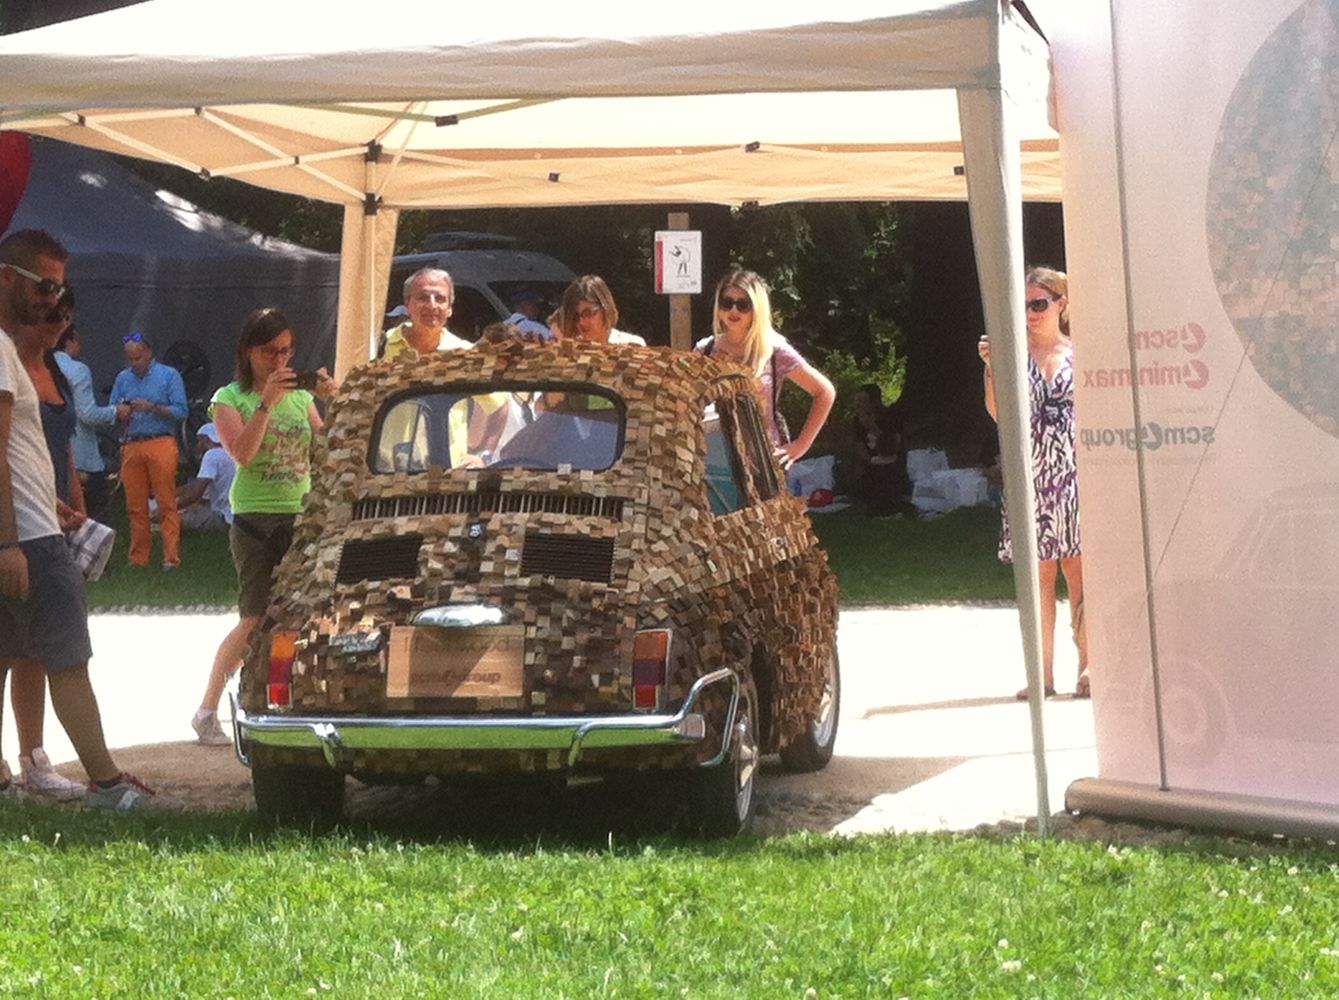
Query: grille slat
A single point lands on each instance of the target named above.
(571, 557)
(425, 505)
(379, 559)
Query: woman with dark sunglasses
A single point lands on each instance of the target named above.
(1055, 477)
(742, 332)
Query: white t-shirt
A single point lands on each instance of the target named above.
(218, 467)
(32, 480)
(623, 337)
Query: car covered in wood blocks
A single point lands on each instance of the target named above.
(560, 559)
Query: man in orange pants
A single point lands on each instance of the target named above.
(150, 400)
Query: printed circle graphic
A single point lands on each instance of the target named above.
(1273, 212)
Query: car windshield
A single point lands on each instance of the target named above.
(526, 427)
(545, 294)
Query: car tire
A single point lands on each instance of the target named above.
(299, 796)
(812, 749)
(721, 797)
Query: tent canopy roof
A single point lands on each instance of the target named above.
(533, 106)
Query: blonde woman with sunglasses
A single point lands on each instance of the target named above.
(743, 333)
(1055, 476)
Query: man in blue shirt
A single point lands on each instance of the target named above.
(150, 401)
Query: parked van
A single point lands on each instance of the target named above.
(488, 276)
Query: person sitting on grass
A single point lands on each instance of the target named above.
(203, 501)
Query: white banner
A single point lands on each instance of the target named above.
(1207, 385)
(678, 261)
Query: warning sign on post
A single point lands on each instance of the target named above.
(678, 261)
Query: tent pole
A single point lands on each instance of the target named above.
(994, 195)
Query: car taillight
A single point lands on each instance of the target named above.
(650, 667)
(283, 649)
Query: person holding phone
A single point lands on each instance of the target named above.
(266, 424)
(150, 400)
(1050, 388)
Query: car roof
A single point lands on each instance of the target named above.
(638, 374)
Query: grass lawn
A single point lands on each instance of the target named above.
(897, 561)
(206, 575)
(102, 906)
(948, 559)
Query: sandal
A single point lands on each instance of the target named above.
(1083, 689)
(1022, 693)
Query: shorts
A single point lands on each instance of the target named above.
(51, 626)
(258, 543)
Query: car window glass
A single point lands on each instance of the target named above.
(530, 427)
(757, 447)
(725, 493)
(471, 312)
(548, 293)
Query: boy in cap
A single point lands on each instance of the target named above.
(204, 502)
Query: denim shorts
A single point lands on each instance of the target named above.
(51, 626)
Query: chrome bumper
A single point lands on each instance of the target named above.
(336, 736)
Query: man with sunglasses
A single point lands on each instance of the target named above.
(150, 400)
(43, 614)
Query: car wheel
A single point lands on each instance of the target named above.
(296, 795)
(812, 749)
(721, 797)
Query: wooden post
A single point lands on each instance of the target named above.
(680, 306)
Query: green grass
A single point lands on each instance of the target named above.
(948, 559)
(899, 561)
(206, 575)
(213, 906)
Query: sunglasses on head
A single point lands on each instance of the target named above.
(726, 302)
(1039, 305)
(133, 338)
(45, 286)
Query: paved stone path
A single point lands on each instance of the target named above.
(930, 737)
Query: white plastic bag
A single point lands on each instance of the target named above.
(809, 474)
(922, 462)
(945, 490)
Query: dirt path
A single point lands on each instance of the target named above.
(930, 736)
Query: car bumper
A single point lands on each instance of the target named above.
(338, 736)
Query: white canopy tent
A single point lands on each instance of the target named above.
(537, 104)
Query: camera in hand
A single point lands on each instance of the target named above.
(305, 380)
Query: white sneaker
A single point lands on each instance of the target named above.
(208, 731)
(37, 776)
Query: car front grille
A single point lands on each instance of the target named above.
(422, 505)
(379, 559)
(571, 557)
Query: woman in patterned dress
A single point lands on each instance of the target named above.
(1051, 389)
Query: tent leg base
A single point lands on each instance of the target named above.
(1208, 810)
